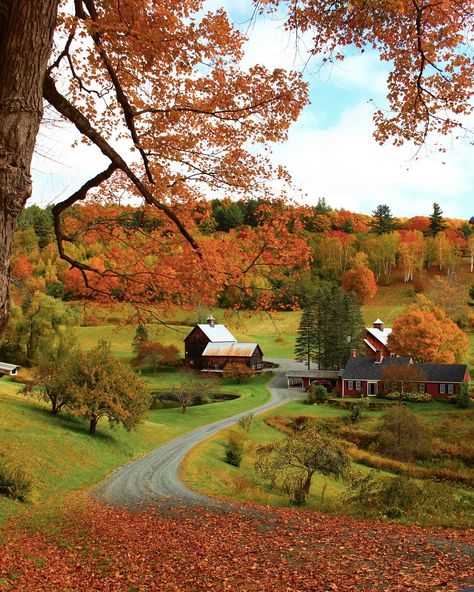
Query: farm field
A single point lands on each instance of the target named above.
(275, 333)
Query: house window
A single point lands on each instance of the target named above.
(442, 389)
(450, 389)
(350, 385)
(422, 387)
(358, 385)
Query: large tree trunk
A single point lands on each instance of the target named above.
(26, 31)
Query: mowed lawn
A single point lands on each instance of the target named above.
(62, 457)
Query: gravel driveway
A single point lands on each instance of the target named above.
(154, 479)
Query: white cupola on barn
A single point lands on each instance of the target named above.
(378, 324)
(211, 321)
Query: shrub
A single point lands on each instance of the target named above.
(245, 422)
(360, 438)
(238, 372)
(400, 497)
(234, 452)
(412, 397)
(15, 481)
(401, 436)
(317, 394)
(463, 400)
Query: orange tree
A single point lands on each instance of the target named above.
(166, 79)
(361, 281)
(428, 336)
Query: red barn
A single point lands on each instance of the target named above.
(376, 338)
(210, 347)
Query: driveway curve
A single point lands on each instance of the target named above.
(154, 479)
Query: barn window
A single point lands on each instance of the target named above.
(350, 385)
(442, 389)
(450, 389)
(422, 387)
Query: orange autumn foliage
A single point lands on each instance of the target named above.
(428, 336)
(361, 281)
(245, 548)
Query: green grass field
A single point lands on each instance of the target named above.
(63, 457)
(206, 471)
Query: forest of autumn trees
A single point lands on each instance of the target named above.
(171, 84)
(276, 254)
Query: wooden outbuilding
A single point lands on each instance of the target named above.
(8, 369)
(210, 347)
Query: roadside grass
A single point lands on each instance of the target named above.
(62, 457)
(205, 470)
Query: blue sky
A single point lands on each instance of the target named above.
(330, 151)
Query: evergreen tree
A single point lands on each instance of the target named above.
(354, 325)
(141, 337)
(436, 220)
(304, 346)
(322, 318)
(335, 337)
(322, 207)
(383, 221)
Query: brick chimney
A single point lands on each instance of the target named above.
(378, 356)
(210, 321)
(353, 353)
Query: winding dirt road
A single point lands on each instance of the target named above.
(154, 479)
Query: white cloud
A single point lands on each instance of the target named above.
(344, 164)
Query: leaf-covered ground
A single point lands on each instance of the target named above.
(105, 549)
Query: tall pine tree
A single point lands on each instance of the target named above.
(383, 221)
(436, 220)
(304, 346)
(331, 325)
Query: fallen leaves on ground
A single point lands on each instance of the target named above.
(98, 548)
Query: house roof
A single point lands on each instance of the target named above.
(313, 373)
(217, 333)
(8, 368)
(381, 335)
(368, 369)
(230, 349)
(443, 372)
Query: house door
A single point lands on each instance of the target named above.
(372, 389)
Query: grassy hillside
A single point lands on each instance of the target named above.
(276, 332)
(62, 456)
(206, 471)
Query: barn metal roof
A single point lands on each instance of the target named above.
(217, 333)
(231, 349)
(381, 335)
(8, 368)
